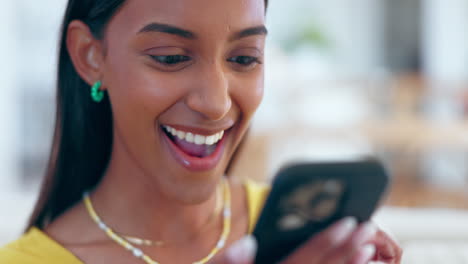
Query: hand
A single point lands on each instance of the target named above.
(388, 250)
(343, 242)
(241, 252)
(366, 243)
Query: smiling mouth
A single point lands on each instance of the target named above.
(192, 144)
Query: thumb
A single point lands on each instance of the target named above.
(241, 252)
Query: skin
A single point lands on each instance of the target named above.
(212, 91)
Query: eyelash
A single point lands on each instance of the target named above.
(250, 60)
(172, 60)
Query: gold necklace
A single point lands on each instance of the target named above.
(159, 243)
(140, 254)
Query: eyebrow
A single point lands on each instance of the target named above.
(252, 31)
(173, 30)
(165, 28)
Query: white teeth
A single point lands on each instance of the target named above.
(210, 140)
(189, 137)
(181, 134)
(194, 138)
(199, 139)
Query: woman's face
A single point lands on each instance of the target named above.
(184, 79)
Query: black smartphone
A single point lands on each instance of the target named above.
(308, 197)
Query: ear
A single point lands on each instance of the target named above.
(85, 52)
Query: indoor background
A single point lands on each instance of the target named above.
(344, 79)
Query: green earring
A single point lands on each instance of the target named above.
(97, 94)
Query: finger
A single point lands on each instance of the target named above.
(357, 240)
(363, 255)
(388, 249)
(241, 252)
(323, 243)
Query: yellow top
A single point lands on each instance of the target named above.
(35, 247)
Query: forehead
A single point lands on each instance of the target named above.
(199, 16)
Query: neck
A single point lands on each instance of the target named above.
(130, 202)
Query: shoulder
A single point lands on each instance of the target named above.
(256, 195)
(35, 247)
(256, 191)
(20, 251)
(12, 255)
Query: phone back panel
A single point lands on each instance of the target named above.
(307, 198)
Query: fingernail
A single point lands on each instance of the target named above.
(367, 252)
(243, 250)
(366, 232)
(343, 230)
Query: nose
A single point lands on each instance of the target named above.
(209, 94)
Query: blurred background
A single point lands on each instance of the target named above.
(344, 79)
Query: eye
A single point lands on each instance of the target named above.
(244, 60)
(170, 60)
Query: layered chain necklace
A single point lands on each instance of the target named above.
(158, 243)
(138, 253)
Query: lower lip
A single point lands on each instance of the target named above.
(195, 163)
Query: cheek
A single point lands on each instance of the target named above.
(248, 95)
(139, 92)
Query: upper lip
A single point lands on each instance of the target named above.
(200, 130)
